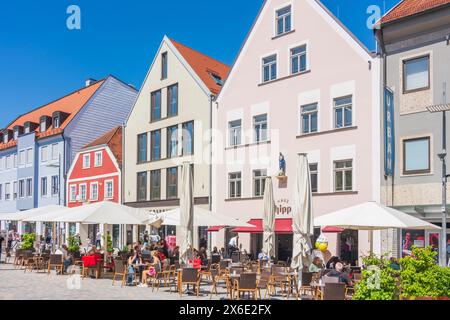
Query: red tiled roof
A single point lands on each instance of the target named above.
(113, 139)
(204, 66)
(408, 8)
(70, 104)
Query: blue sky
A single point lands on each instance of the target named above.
(41, 60)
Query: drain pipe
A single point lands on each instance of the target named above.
(212, 99)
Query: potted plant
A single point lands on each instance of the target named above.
(109, 243)
(28, 241)
(73, 244)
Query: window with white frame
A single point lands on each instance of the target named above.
(269, 68)
(16, 160)
(44, 187)
(343, 112)
(416, 74)
(109, 189)
(283, 20)
(234, 185)
(98, 161)
(298, 59)
(44, 154)
(94, 191)
(309, 117)
(259, 180)
(9, 162)
(343, 175)
(22, 155)
(86, 161)
(314, 176)
(235, 131)
(260, 127)
(43, 125)
(21, 188)
(55, 153)
(29, 187)
(83, 192)
(7, 191)
(55, 185)
(73, 193)
(15, 190)
(29, 156)
(416, 156)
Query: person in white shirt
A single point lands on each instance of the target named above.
(233, 245)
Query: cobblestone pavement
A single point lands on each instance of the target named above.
(15, 284)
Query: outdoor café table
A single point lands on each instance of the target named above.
(318, 287)
(292, 279)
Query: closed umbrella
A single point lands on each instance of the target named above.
(186, 213)
(269, 219)
(302, 218)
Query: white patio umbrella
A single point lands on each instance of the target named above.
(302, 218)
(269, 219)
(202, 218)
(186, 212)
(28, 215)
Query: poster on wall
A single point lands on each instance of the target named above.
(412, 238)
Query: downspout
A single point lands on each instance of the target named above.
(122, 192)
(212, 99)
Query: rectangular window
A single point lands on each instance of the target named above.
(155, 185)
(43, 126)
(259, 180)
(343, 112)
(21, 188)
(83, 192)
(156, 144)
(94, 191)
(14, 190)
(156, 105)
(142, 186)
(172, 183)
(98, 160)
(86, 161)
(2, 163)
(44, 191)
(44, 154)
(235, 131)
(55, 185)
(55, 153)
(29, 156)
(73, 193)
(7, 191)
(164, 64)
(283, 20)
(172, 141)
(298, 59)
(172, 100)
(22, 155)
(109, 189)
(343, 175)
(270, 68)
(234, 185)
(56, 122)
(309, 114)
(416, 156)
(142, 148)
(416, 74)
(260, 127)
(314, 176)
(188, 138)
(29, 187)
(16, 160)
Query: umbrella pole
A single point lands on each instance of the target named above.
(54, 237)
(371, 241)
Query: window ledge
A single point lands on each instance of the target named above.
(336, 193)
(243, 199)
(306, 135)
(248, 145)
(283, 34)
(285, 78)
(418, 174)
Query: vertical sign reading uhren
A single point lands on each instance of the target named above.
(389, 133)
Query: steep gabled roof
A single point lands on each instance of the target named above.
(112, 139)
(204, 66)
(70, 104)
(407, 8)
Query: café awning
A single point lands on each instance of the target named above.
(282, 226)
(215, 228)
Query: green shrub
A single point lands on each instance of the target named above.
(109, 242)
(378, 280)
(28, 241)
(74, 244)
(421, 277)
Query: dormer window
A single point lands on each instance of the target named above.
(30, 127)
(43, 124)
(56, 122)
(17, 131)
(217, 79)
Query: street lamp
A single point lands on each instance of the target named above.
(443, 238)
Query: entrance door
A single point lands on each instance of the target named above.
(348, 242)
(284, 246)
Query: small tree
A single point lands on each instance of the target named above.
(109, 243)
(74, 244)
(28, 241)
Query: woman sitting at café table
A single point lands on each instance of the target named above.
(338, 272)
(152, 270)
(316, 265)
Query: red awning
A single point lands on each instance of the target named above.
(215, 228)
(332, 230)
(281, 226)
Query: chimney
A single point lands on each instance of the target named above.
(90, 81)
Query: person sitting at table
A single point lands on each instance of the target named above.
(175, 255)
(93, 251)
(203, 256)
(67, 259)
(163, 248)
(338, 272)
(316, 265)
(262, 256)
(332, 262)
(223, 253)
(152, 270)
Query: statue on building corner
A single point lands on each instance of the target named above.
(282, 164)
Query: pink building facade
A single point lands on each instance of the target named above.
(301, 83)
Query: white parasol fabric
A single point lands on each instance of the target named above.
(269, 219)
(186, 212)
(29, 215)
